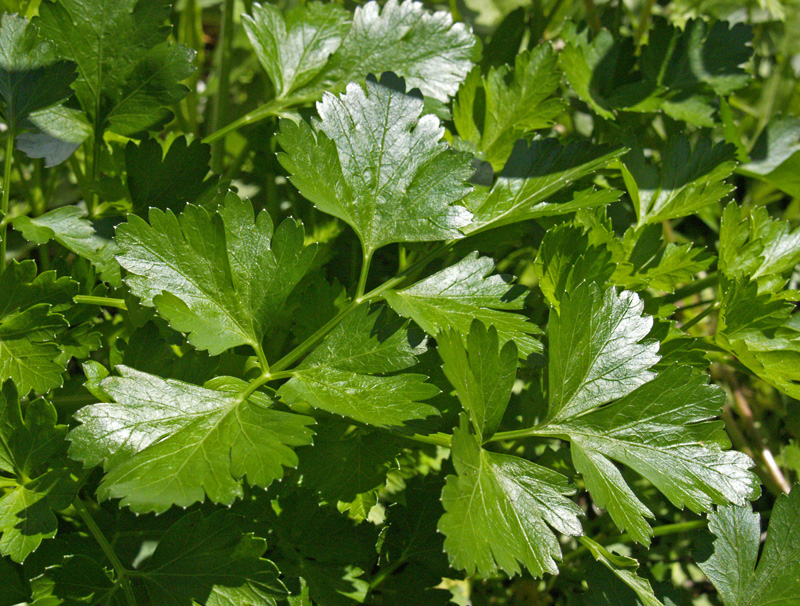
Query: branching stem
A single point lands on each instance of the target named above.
(119, 569)
(8, 160)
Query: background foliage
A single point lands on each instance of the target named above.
(338, 303)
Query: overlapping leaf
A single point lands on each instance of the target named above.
(128, 74)
(466, 291)
(29, 326)
(209, 560)
(345, 374)
(69, 227)
(219, 277)
(493, 113)
(732, 567)
(37, 485)
(690, 179)
(164, 442)
(537, 181)
(499, 510)
(316, 48)
(374, 161)
(31, 76)
(678, 72)
(658, 425)
(482, 372)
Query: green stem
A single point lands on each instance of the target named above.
(304, 347)
(104, 301)
(273, 108)
(6, 194)
(437, 439)
(519, 434)
(644, 22)
(223, 84)
(262, 358)
(699, 316)
(658, 531)
(362, 278)
(692, 289)
(119, 569)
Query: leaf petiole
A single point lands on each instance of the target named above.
(119, 569)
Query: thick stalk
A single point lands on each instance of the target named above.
(6, 195)
(362, 278)
(223, 84)
(119, 569)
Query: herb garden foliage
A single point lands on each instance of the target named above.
(329, 394)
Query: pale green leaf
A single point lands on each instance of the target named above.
(69, 227)
(466, 291)
(499, 510)
(374, 161)
(220, 277)
(624, 568)
(166, 442)
(732, 567)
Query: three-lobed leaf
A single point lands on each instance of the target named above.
(377, 163)
(220, 277)
(733, 565)
(164, 442)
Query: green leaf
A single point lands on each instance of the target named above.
(211, 561)
(690, 179)
(413, 550)
(775, 157)
(76, 579)
(763, 334)
(675, 264)
(483, 374)
(536, 181)
(342, 374)
(28, 326)
(69, 227)
(499, 510)
(495, 110)
(754, 246)
(27, 443)
(295, 46)
(54, 134)
(566, 259)
(128, 74)
(346, 460)
(219, 277)
(663, 431)
(678, 72)
(374, 161)
(31, 77)
(597, 350)
(624, 569)
(15, 589)
(428, 50)
(466, 291)
(170, 180)
(166, 442)
(732, 567)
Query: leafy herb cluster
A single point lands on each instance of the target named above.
(425, 309)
